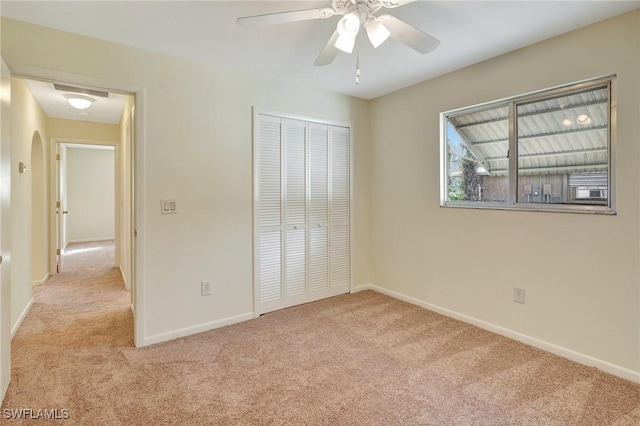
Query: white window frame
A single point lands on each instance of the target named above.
(512, 102)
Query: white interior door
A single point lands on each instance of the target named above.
(295, 208)
(130, 239)
(60, 243)
(5, 190)
(318, 212)
(339, 209)
(268, 214)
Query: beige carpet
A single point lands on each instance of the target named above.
(362, 359)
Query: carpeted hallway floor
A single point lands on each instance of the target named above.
(362, 359)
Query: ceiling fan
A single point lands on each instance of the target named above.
(355, 13)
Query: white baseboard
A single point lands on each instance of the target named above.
(572, 355)
(40, 282)
(124, 278)
(21, 318)
(89, 240)
(368, 286)
(200, 328)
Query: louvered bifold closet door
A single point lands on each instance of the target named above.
(295, 262)
(318, 212)
(301, 216)
(339, 210)
(268, 245)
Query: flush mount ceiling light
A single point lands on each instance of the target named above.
(567, 122)
(79, 101)
(583, 119)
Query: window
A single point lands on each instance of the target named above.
(548, 150)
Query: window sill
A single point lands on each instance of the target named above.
(554, 208)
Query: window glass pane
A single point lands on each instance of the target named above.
(563, 149)
(477, 156)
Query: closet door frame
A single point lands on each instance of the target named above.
(256, 113)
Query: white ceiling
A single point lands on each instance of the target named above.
(470, 32)
(55, 105)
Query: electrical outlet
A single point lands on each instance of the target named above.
(518, 295)
(205, 288)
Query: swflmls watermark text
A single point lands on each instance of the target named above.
(35, 413)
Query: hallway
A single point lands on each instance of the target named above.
(76, 316)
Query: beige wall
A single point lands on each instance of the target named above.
(580, 272)
(90, 194)
(27, 118)
(87, 131)
(77, 131)
(197, 150)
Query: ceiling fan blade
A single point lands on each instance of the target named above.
(329, 52)
(284, 17)
(411, 36)
(395, 3)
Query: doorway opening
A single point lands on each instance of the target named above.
(86, 183)
(87, 212)
(82, 181)
(41, 159)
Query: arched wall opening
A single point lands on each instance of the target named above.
(39, 256)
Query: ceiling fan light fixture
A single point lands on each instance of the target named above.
(345, 43)
(377, 32)
(348, 28)
(79, 102)
(349, 24)
(353, 14)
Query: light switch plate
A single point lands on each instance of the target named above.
(168, 207)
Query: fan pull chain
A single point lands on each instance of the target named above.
(357, 68)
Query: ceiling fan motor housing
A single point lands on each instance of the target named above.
(344, 7)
